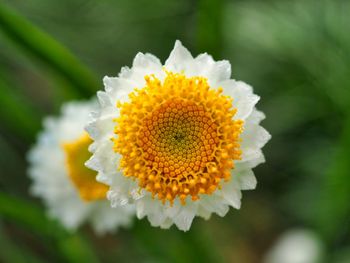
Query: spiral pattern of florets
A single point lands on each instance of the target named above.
(178, 137)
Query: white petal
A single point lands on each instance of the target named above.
(107, 219)
(203, 212)
(143, 206)
(244, 99)
(258, 136)
(157, 219)
(147, 60)
(137, 193)
(63, 212)
(172, 211)
(116, 199)
(204, 65)
(214, 204)
(231, 193)
(130, 78)
(251, 163)
(154, 211)
(93, 163)
(254, 137)
(104, 99)
(247, 180)
(167, 223)
(221, 71)
(121, 188)
(184, 219)
(179, 58)
(119, 88)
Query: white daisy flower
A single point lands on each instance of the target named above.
(60, 178)
(296, 246)
(179, 140)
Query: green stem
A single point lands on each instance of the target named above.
(45, 48)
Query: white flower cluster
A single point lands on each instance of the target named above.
(126, 195)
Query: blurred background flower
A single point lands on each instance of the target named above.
(294, 53)
(59, 177)
(296, 246)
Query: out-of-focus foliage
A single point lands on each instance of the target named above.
(296, 55)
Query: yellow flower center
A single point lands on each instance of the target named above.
(177, 138)
(77, 154)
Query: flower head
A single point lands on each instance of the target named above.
(60, 177)
(177, 140)
(296, 246)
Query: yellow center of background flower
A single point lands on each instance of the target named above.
(177, 138)
(76, 153)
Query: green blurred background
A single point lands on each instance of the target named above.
(296, 55)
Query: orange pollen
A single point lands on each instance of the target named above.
(76, 153)
(177, 138)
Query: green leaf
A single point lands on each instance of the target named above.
(45, 48)
(72, 247)
(10, 252)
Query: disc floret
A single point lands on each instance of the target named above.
(177, 138)
(83, 178)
